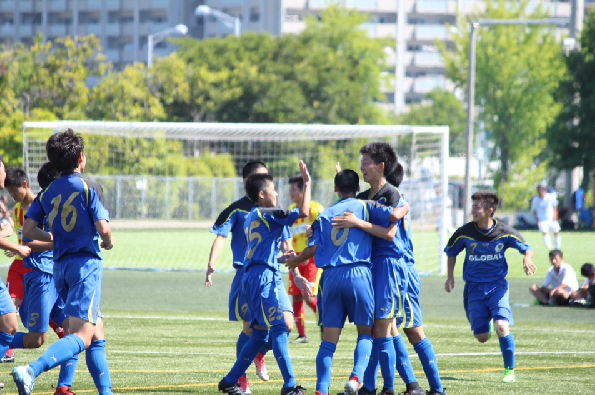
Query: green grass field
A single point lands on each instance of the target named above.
(168, 334)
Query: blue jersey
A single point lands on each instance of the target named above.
(232, 220)
(484, 259)
(403, 237)
(338, 247)
(388, 195)
(72, 208)
(264, 229)
(42, 261)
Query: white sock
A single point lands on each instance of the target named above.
(558, 241)
(548, 242)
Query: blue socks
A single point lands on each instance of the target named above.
(281, 352)
(97, 366)
(17, 341)
(403, 363)
(371, 373)
(5, 341)
(388, 360)
(324, 361)
(247, 354)
(427, 356)
(361, 356)
(67, 371)
(242, 340)
(59, 352)
(508, 348)
(268, 346)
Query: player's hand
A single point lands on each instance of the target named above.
(449, 285)
(287, 255)
(303, 285)
(24, 251)
(337, 167)
(347, 220)
(529, 267)
(304, 172)
(107, 246)
(291, 262)
(9, 254)
(209, 280)
(309, 231)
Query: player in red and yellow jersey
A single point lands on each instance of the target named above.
(307, 269)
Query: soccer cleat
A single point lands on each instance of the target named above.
(261, 367)
(384, 391)
(437, 393)
(352, 386)
(414, 391)
(362, 391)
(63, 391)
(244, 385)
(24, 378)
(301, 340)
(232, 389)
(295, 390)
(1, 385)
(508, 376)
(7, 359)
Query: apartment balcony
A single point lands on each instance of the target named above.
(293, 27)
(112, 55)
(113, 29)
(57, 30)
(58, 5)
(437, 7)
(7, 30)
(428, 59)
(113, 4)
(426, 84)
(8, 5)
(295, 4)
(89, 5)
(380, 30)
(431, 32)
(363, 5)
(84, 30)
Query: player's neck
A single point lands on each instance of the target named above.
(29, 197)
(376, 186)
(485, 224)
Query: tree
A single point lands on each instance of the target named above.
(517, 69)
(571, 138)
(444, 109)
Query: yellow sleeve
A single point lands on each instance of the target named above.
(315, 210)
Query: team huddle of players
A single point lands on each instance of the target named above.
(58, 280)
(353, 260)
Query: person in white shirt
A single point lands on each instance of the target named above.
(561, 277)
(545, 208)
(588, 271)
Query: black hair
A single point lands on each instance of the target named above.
(297, 180)
(489, 200)
(381, 152)
(588, 269)
(554, 253)
(63, 150)
(250, 167)
(15, 177)
(256, 183)
(395, 177)
(347, 181)
(46, 175)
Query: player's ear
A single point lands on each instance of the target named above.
(81, 157)
(260, 195)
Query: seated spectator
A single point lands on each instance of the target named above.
(584, 295)
(561, 277)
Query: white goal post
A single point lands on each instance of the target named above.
(176, 177)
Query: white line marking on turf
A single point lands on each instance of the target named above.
(462, 354)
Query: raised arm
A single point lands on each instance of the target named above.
(305, 203)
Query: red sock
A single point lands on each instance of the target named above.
(10, 352)
(313, 304)
(298, 313)
(53, 325)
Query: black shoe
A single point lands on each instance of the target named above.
(386, 392)
(232, 389)
(295, 390)
(362, 391)
(437, 393)
(414, 391)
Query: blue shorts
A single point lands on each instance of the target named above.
(238, 307)
(6, 303)
(484, 301)
(390, 287)
(267, 298)
(40, 302)
(346, 292)
(412, 317)
(78, 281)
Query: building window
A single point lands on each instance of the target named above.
(254, 14)
(30, 18)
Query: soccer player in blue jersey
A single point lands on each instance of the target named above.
(396, 281)
(346, 287)
(41, 300)
(8, 314)
(77, 220)
(269, 308)
(485, 268)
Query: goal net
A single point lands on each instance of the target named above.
(165, 183)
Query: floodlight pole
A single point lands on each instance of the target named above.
(471, 88)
